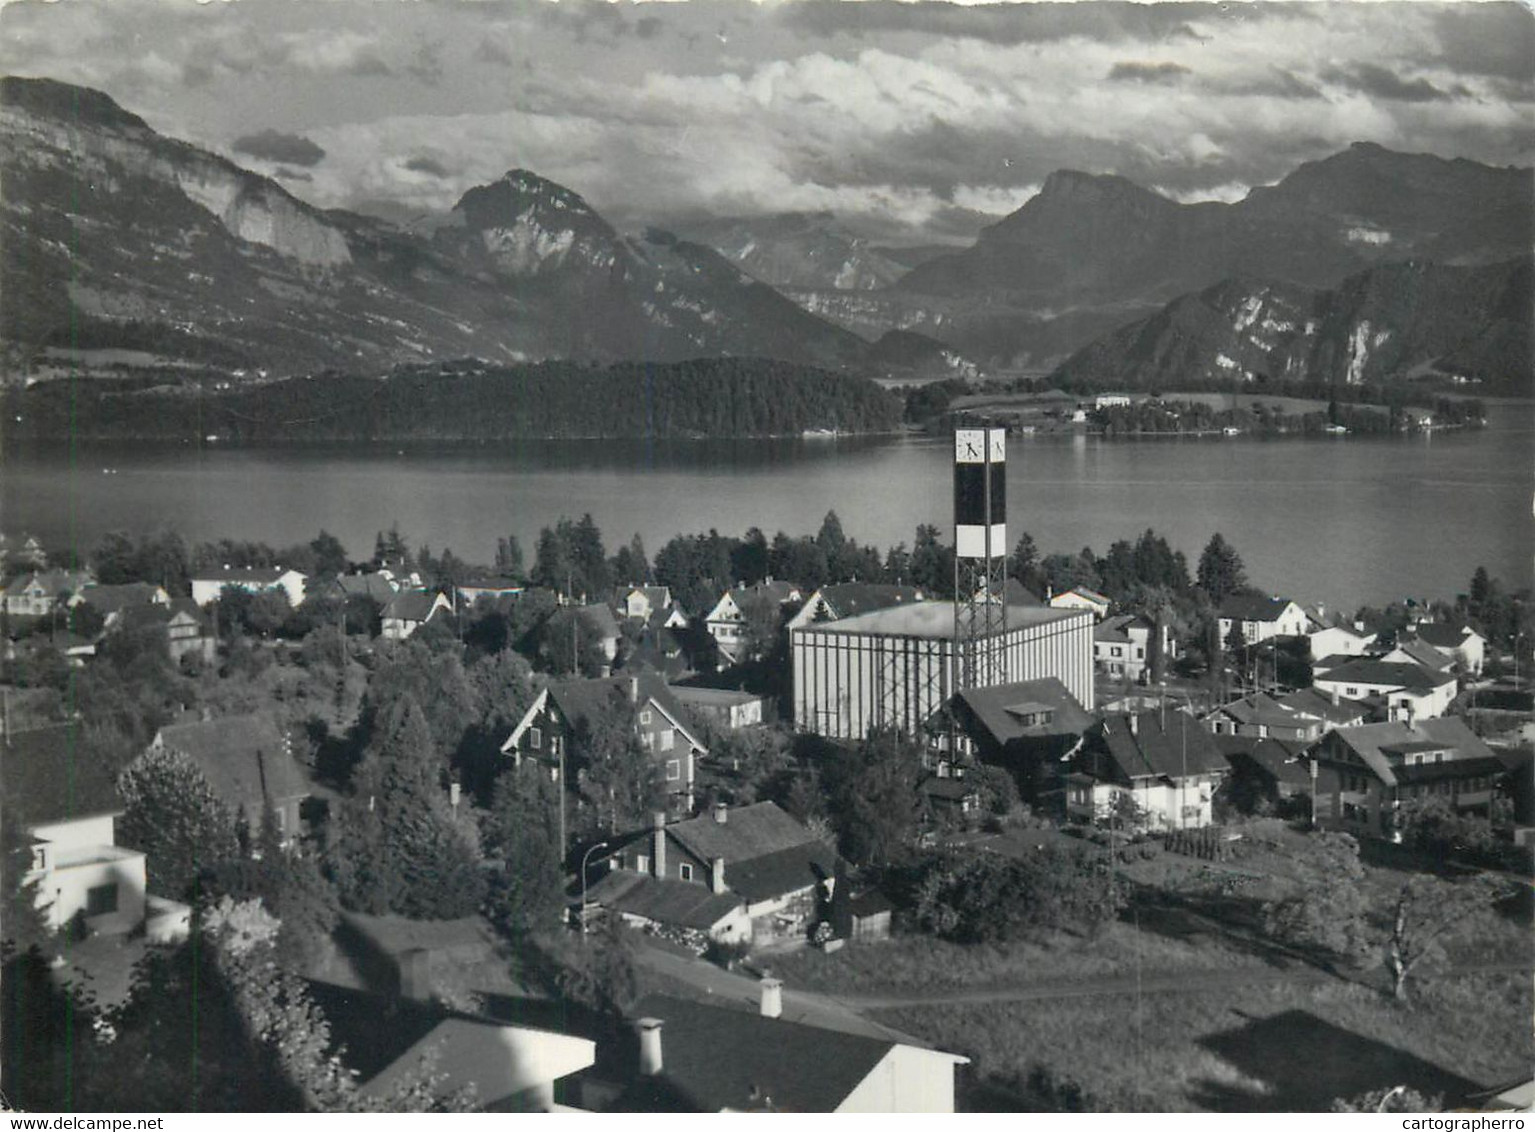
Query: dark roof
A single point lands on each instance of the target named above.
(1373, 742)
(1116, 629)
(584, 703)
(45, 777)
(1015, 592)
(52, 582)
(1253, 607)
(411, 605)
(495, 582)
(1315, 702)
(747, 832)
(376, 586)
(1421, 652)
(109, 599)
(678, 902)
(999, 709)
(1274, 757)
(1084, 592)
(715, 1058)
(245, 758)
(949, 789)
(870, 903)
(1440, 635)
(777, 874)
(848, 599)
(1263, 709)
(1162, 744)
(1394, 674)
(598, 619)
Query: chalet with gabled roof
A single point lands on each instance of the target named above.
(248, 762)
(1262, 618)
(408, 610)
(565, 713)
(1376, 767)
(1397, 690)
(207, 585)
(757, 859)
(1164, 760)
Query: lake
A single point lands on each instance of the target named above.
(1346, 521)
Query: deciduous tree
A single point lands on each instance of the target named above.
(172, 814)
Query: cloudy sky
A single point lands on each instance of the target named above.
(911, 120)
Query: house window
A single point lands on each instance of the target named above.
(535, 737)
(101, 900)
(673, 770)
(685, 872)
(668, 739)
(645, 718)
(1351, 692)
(1140, 653)
(40, 858)
(648, 740)
(1116, 651)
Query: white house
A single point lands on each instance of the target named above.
(726, 622)
(1262, 618)
(1339, 640)
(1080, 597)
(207, 585)
(1464, 645)
(1164, 760)
(1122, 645)
(1402, 692)
(67, 804)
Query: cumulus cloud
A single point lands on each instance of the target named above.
(275, 146)
(1379, 82)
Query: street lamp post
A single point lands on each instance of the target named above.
(584, 857)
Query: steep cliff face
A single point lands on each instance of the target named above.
(806, 251)
(43, 122)
(115, 238)
(1379, 325)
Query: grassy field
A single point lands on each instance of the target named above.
(920, 964)
(1258, 1048)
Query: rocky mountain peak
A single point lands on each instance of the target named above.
(76, 105)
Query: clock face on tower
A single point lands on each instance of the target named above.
(996, 444)
(970, 445)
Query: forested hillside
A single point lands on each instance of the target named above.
(469, 401)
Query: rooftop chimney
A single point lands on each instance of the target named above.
(717, 875)
(721, 813)
(772, 997)
(634, 689)
(649, 1030)
(658, 845)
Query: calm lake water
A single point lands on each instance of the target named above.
(1341, 520)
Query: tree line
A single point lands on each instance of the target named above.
(705, 397)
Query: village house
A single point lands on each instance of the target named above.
(505, 1065)
(1261, 716)
(1410, 650)
(560, 721)
(1334, 637)
(1330, 709)
(1397, 691)
(111, 601)
(1463, 645)
(470, 590)
(726, 708)
(650, 606)
(207, 585)
(377, 586)
(408, 610)
(848, 599)
(686, 1056)
(66, 806)
(248, 762)
(1164, 760)
(1025, 727)
(1376, 767)
(1274, 771)
(767, 872)
(1262, 618)
(727, 621)
(1080, 597)
(187, 629)
(36, 594)
(1122, 646)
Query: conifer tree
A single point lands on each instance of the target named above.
(172, 814)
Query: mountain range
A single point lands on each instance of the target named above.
(124, 246)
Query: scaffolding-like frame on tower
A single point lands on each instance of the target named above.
(980, 586)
